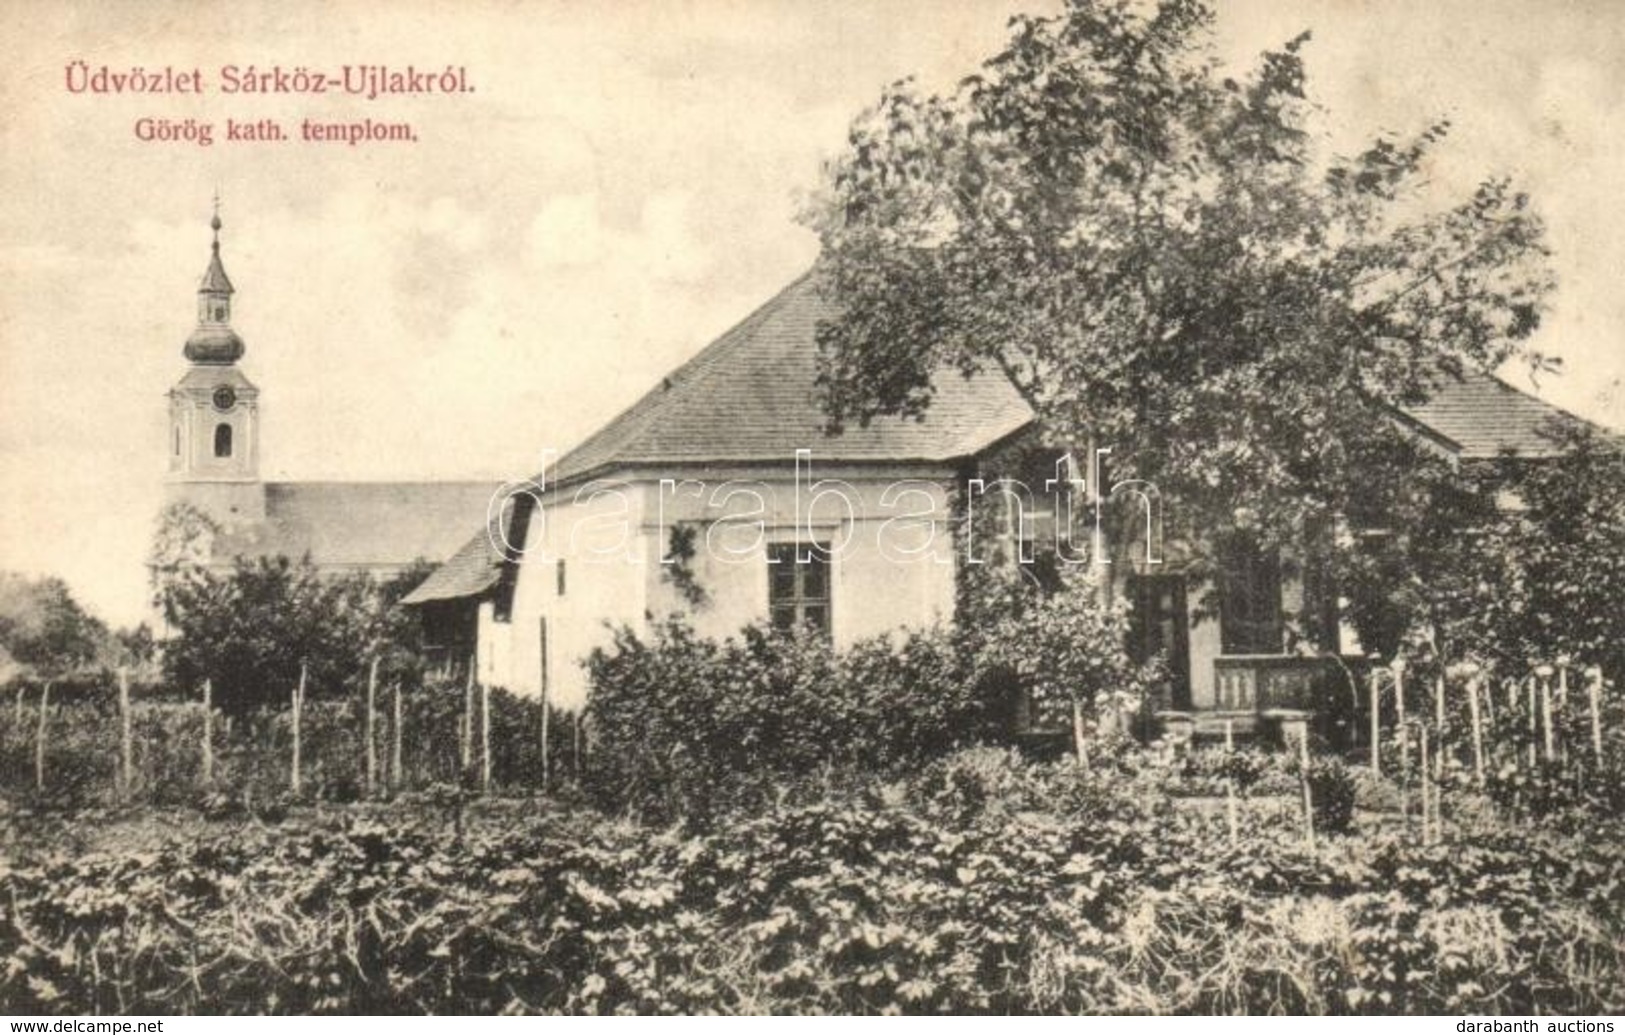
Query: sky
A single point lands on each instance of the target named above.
(620, 186)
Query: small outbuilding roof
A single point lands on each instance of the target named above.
(472, 571)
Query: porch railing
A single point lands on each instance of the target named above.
(1262, 682)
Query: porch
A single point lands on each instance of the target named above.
(1269, 697)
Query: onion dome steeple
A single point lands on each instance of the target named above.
(214, 342)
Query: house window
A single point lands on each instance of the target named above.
(1250, 602)
(560, 577)
(222, 440)
(798, 586)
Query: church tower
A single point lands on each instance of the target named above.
(214, 412)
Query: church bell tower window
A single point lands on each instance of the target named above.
(222, 441)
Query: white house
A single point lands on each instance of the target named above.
(719, 494)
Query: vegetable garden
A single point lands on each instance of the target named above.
(897, 868)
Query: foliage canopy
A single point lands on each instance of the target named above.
(1165, 260)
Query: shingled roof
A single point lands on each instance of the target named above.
(474, 569)
(749, 397)
(1482, 417)
(361, 525)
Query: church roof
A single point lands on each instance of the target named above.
(361, 525)
(213, 344)
(215, 280)
(211, 377)
(749, 397)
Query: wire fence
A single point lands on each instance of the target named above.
(114, 743)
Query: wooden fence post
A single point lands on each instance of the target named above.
(1545, 674)
(208, 732)
(1308, 800)
(298, 709)
(542, 695)
(1403, 735)
(1399, 715)
(466, 748)
(1473, 685)
(1078, 742)
(1562, 708)
(1426, 779)
(1534, 722)
(1376, 723)
(576, 747)
(372, 744)
(125, 740)
(396, 778)
(1594, 693)
(546, 749)
(485, 738)
(1439, 721)
(39, 738)
(1230, 780)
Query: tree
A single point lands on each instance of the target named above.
(250, 630)
(1162, 261)
(1559, 555)
(182, 543)
(45, 631)
(397, 630)
(1066, 649)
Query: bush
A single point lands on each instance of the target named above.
(683, 725)
(1203, 771)
(1067, 649)
(993, 785)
